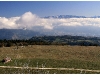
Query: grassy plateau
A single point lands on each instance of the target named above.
(51, 56)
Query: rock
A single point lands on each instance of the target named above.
(7, 59)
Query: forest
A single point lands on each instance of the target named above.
(53, 40)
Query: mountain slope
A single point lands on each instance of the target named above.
(17, 34)
(69, 40)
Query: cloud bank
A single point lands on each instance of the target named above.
(32, 21)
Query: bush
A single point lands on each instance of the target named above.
(8, 44)
(1, 45)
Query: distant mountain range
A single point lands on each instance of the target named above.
(17, 34)
(27, 34)
(60, 30)
(70, 16)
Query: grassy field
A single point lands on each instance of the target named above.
(52, 56)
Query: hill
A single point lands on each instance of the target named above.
(69, 40)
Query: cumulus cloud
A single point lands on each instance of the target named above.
(31, 21)
(9, 23)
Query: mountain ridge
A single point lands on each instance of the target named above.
(17, 34)
(70, 16)
(56, 29)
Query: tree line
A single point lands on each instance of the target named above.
(53, 40)
(9, 43)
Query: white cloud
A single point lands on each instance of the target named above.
(31, 21)
(8, 22)
(79, 22)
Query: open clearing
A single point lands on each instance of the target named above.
(47, 57)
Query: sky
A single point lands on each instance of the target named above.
(49, 8)
(29, 15)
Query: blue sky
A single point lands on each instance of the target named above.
(49, 8)
(27, 15)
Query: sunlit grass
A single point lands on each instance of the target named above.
(82, 57)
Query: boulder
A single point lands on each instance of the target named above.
(7, 59)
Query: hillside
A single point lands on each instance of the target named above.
(17, 34)
(69, 40)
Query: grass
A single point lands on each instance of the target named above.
(83, 57)
(51, 63)
(31, 71)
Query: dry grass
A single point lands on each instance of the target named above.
(83, 57)
(89, 53)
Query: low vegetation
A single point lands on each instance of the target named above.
(51, 56)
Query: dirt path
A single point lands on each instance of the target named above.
(49, 68)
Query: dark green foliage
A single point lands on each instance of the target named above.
(8, 44)
(53, 40)
(68, 40)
